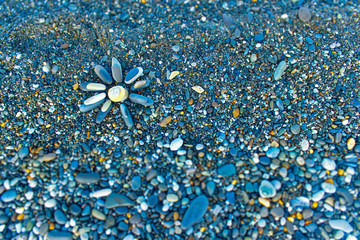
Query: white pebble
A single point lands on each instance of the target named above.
(50, 203)
(176, 144)
(102, 193)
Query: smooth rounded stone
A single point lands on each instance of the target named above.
(89, 87)
(210, 187)
(227, 19)
(23, 152)
(272, 152)
(176, 144)
(280, 69)
(103, 74)
(295, 129)
(134, 74)
(8, 196)
(116, 70)
(136, 183)
(264, 160)
(304, 14)
(50, 203)
(47, 157)
(264, 212)
(141, 85)
(301, 202)
(304, 145)
(74, 165)
(4, 219)
(151, 174)
(311, 48)
(328, 164)
(60, 217)
(195, 212)
(86, 108)
(123, 226)
(328, 187)
(340, 224)
(140, 99)
(153, 200)
(253, 57)
(259, 37)
(307, 213)
(227, 170)
(118, 94)
(105, 109)
(58, 235)
(263, 201)
(261, 223)
(277, 212)
(135, 219)
(75, 209)
(101, 193)
(87, 178)
(317, 196)
(178, 107)
(344, 193)
(172, 197)
(98, 215)
(117, 200)
(125, 113)
(266, 189)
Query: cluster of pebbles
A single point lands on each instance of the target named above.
(250, 130)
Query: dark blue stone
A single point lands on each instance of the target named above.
(230, 197)
(74, 209)
(101, 116)
(264, 160)
(153, 200)
(195, 212)
(74, 165)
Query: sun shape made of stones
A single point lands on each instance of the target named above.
(116, 93)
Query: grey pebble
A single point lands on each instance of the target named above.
(125, 113)
(136, 183)
(210, 187)
(103, 74)
(87, 178)
(277, 212)
(59, 235)
(304, 14)
(117, 200)
(280, 69)
(142, 100)
(295, 129)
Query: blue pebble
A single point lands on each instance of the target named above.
(227, 170)
(272, 152)
(259, 37)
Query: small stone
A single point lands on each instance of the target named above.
(307, 213)
(142, 100)
(125, 113)
(136, 183)
(103, 74)
(266, 189)
(227, 19)
(58, 235)
(153, 200)
(8, 196)
(236, 112)
(98, 215)
(301, 202)
(304, 14)
(140, 85)
(60, 217)
(124, 16)
(4, 219)
(350, 143)
(272, 152)
(277, 212)
(87, 178)
(198, 89)
(47, 157)
(117, 200)
(317, 196)
(65, 46)
(210, 188)
(295, 129)
(88, 107)
(280, 69)
(341, 224)
(75, 209)
(328, 187)
(134, 74)
(88, 87)
(259, 37)
(328, 164)
(265, 202)
(173, 75)
(165, 121)
(172, 197)
(123, 226)
(227, 170)
(102, 193)
(50, 203)
(195, 212)
(105, 109)
(176, 144)
(304, 144)
(116, 70)
(264, 160)
(23, 152)
(95, 99)
(344, 193)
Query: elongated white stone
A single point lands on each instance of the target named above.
(94, 99)
(86, 86)
(102, 193)
(280, 70)
(116, 70)
(140, 85)
(105, 109)
(176, 144)
(134, 74)
(103, 74)
(118, 94)
(340, 224)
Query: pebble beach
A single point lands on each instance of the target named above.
(179, 119)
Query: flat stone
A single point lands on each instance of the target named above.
(87, 178)
(135, 219)
(136, 183)
(277, 212)
(125, 113)
(195, 212)
(153, 200)
(301, 202)
(134, 74)
(102, 193)
(117, 200)
(341, 224)
(23, 152)
(172, 197)
(264, 160)
(317, 196)
(123, 226)
(50, 203)
(165, 121)
(280, 69)
(98, 215)
(266, 189)
(47, 157)
(176, 144)
(60, 217)
(140, 85)
(304, 14)
(103, 74)
(89, 87)
(304, 145)
(104, 111)
(328, 187)
(59, 235)
(328, 164)
(75, 209)
(259, 37)
(227, 170)
(140, 99)
(307, 213)
(8, 196)
(116, 70)
(272, 152)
